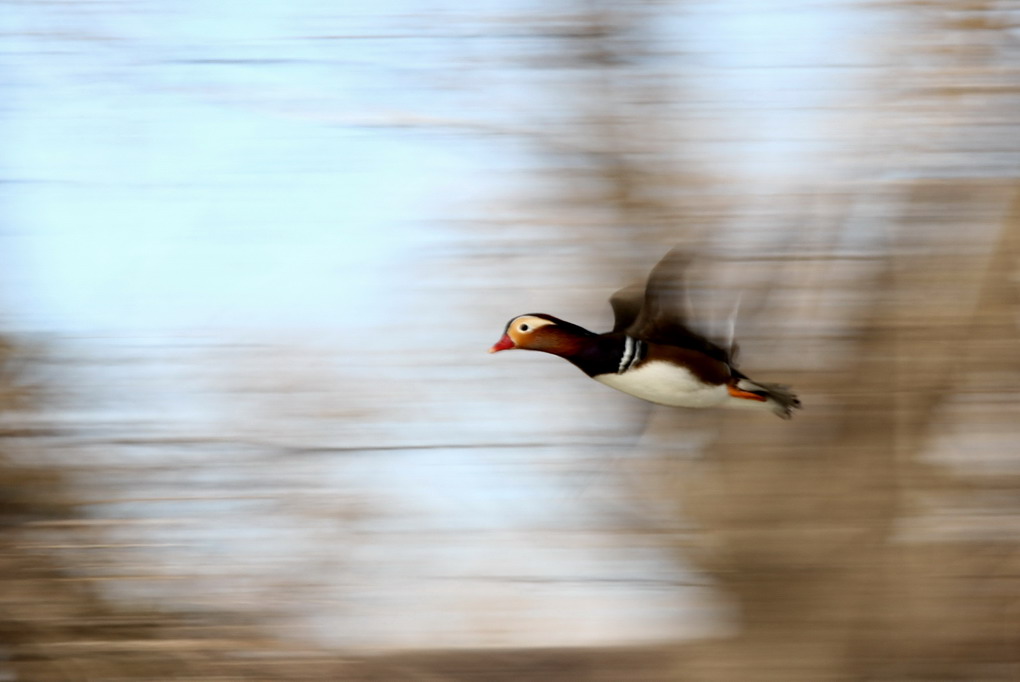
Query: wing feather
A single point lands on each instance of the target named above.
(627, 303)
(658, 316)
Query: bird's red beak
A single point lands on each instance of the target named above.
(505, 343)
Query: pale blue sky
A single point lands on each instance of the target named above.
(196, 169)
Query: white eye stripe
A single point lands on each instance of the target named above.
(526, 325)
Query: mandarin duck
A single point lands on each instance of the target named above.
(651, 353)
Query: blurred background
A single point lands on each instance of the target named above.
(253, 255)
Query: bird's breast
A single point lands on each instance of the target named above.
(666, 383)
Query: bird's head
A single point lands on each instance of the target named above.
(537, 331)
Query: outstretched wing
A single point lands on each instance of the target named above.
(627, 303)
(660, 315)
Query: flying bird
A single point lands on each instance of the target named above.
(651, 353)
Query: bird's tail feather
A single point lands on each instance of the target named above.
(780, 398)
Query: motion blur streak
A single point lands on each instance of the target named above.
(254, 255)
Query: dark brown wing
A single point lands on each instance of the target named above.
(627, 303)
(661, 318)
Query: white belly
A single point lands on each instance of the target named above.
(666, 384)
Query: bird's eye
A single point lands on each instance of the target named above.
(524, 327)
